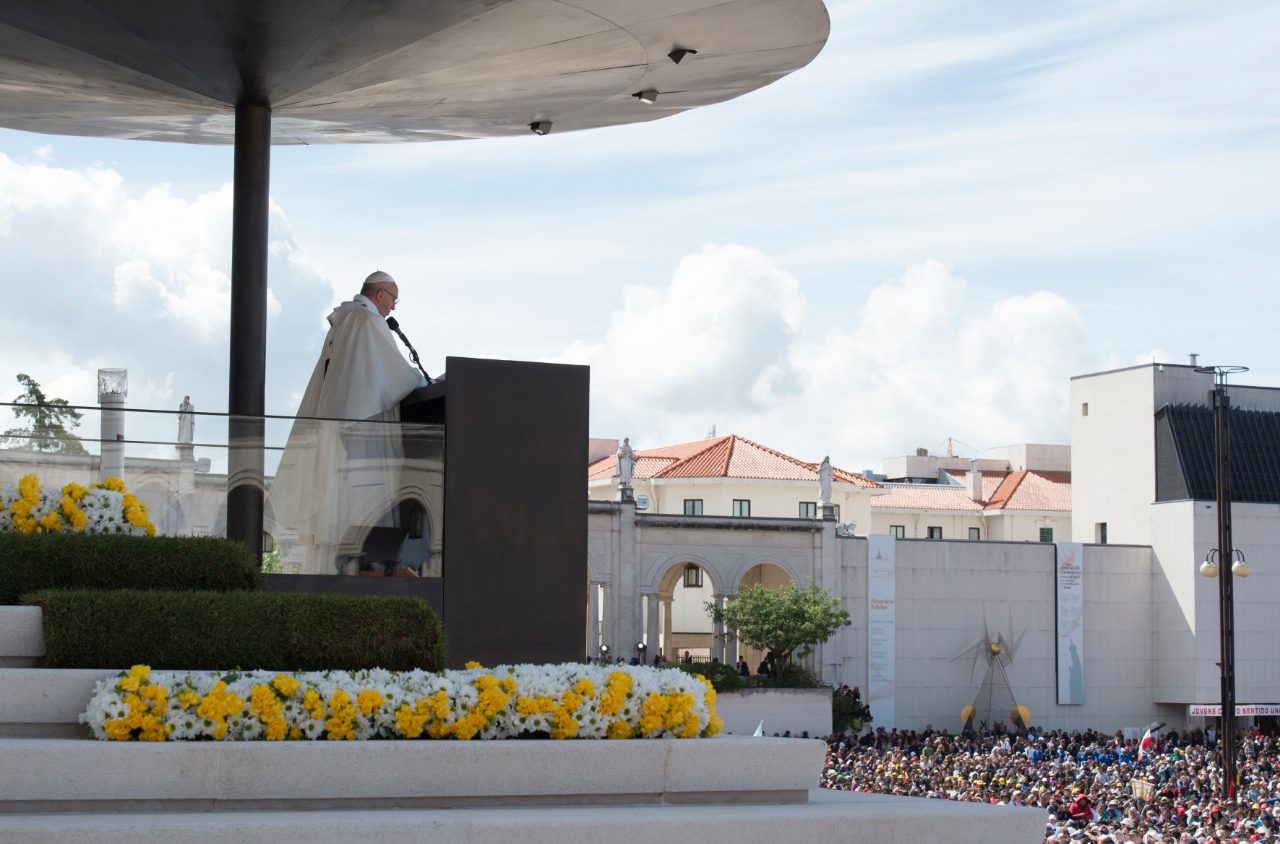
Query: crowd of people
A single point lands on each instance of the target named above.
(1094, 787)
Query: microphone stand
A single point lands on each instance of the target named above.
(394, 325)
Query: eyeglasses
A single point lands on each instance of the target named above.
(395, 300)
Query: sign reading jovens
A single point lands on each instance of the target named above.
(1243, 710)
(881, 630)
(1069, 579)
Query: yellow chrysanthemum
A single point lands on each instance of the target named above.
(285, 685)
(368, 700)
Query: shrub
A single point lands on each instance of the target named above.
(245, 630)
(724, 678)
(79, 561)
(843, 713)
(792, 676)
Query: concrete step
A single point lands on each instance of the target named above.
(59, 775)
(21, 636)
(44, 702)
(825, 816)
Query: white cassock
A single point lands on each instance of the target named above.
(338, 471)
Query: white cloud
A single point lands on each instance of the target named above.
(922, 362)
(98, 275)
(716, 337)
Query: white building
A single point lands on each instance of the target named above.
(1140, 509)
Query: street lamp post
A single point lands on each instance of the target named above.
(1226, 565)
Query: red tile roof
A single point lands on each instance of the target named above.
(925, 497)
(1031, 490)
(729, 456)
(1022, 490)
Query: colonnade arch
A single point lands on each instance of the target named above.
(770, 575)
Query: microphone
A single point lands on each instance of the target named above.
(394, 325)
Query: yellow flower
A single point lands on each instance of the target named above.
(284, 684)
(472, 664)
(135, 677)
(620, 730)
(615, 693)
(585, 688)
(314, 704)
(368, 700)
(341, 723)
(113, 484)
(410, 721)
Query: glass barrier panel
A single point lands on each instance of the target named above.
(340, 496)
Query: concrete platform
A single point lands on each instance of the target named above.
(21, 636)
(65, 775)
(46, 702)
(828, 816)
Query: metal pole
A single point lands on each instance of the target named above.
(246, 401)
(1226, 606)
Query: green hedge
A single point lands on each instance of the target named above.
(245, 630)
(724, 678)
(77, 561)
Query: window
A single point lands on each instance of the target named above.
(742, 506)
(692, 576)
(693, 506)
(837, 506)
(934, 532)
(975, 534)
(1046, 534)
(808, 509)
(1100, 533)
(898, 531)
(1084, 408)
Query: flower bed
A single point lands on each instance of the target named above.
(105, 508)
(509, 701)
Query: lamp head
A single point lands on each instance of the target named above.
(540, 127)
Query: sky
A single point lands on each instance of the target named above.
(923, 234)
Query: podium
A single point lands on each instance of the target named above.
(514, 569)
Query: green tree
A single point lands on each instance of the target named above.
(48, 422)
(786, 621)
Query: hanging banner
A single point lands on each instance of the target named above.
(1243, 710)
(882, 678)
(1069, 580)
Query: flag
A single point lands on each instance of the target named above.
(1148, 743)
(759, 730)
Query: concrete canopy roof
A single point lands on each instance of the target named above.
(344, 71)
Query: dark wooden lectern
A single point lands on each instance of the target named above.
(515, 507)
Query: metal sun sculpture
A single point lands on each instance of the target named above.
(994, 701)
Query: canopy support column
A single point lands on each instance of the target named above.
(246, 401)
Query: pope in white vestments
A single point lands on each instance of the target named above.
(341, 468)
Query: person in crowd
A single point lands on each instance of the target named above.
(1084, 780)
